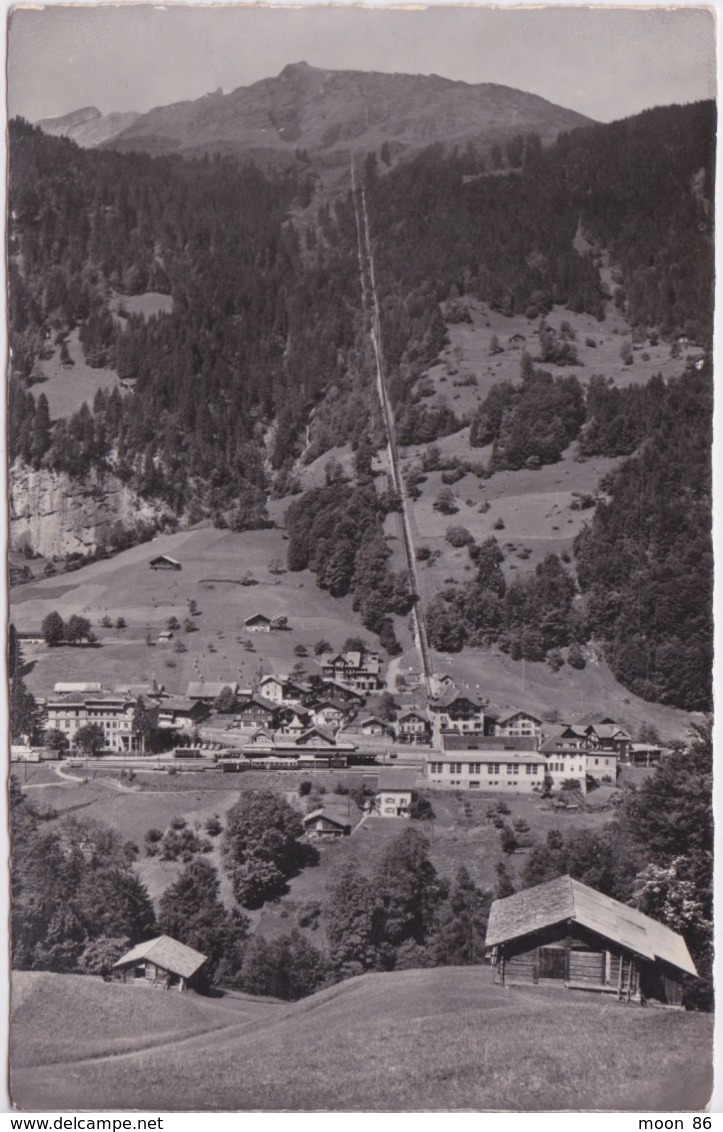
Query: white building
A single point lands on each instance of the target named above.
(516, 772)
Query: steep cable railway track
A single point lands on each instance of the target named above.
(371, 307)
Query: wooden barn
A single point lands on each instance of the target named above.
(161, 962)
(565, 934)
(326, 824)
(164, 562)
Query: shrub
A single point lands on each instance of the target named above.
(178, 823)
(575, 657)
(458, 536)
(499, 524)
(120, 622)
(304, 788)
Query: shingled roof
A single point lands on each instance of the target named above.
(396, 778)
(567, 899)
(167, 953)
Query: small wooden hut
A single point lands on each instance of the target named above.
(565, 934)
(161, 962)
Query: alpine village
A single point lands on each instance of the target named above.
(360, 633)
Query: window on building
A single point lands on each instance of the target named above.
(474, 768)
(474, 784)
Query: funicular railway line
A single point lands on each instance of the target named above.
(371, 306)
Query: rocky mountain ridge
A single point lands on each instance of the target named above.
(327, 114)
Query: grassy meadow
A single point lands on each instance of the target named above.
(214, 563)
(457, 834)
(423, 1040)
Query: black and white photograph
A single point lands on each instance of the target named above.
(360, 558)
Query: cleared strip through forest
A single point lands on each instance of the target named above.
(371, 305)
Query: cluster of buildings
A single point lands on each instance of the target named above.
(455, 739)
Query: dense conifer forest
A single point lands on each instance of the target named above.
(264, 359)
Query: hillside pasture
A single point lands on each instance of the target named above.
(468, 353)
(149, 304)
(214, 565)
(115, 1018)
(67, 389)
(421, 1040)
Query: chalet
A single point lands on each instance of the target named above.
(372, 727)
(177, 711)
(513, 771)
(516, 724)
(165, 637)
(256, 711)
(458, 711)
(113, 712)
(395, 788)
(331, 713)
(565, 934)
(573, 736)
(517, 342)
(360, 671)
(325, 824)
(258, 623)
(208, 691)
(413, 726)
(295, 723)
(281, 690)
(332, 689)
(609, 737)
(164, 562)
(160, 962)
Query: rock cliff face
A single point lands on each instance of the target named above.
(57, 516)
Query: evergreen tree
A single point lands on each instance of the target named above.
(191, 911)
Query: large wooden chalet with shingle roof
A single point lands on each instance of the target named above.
(160, 962)
(565, 934)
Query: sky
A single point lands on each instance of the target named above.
(604, 62)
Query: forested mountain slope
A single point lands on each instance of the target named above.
(262, 354)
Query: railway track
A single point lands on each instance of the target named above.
(370, 298)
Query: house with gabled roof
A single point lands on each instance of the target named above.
(360, 671)
(332, 713)
(326, 824)
(565, 934)
(160, 962)
(177, 711)
(371, 726)
(164, 562)
(458, 711)
(393, 795)
(413, 726)
(517, 723)
(258, 623)
(256, 711)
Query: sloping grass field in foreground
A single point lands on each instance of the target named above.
(444, 1039)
